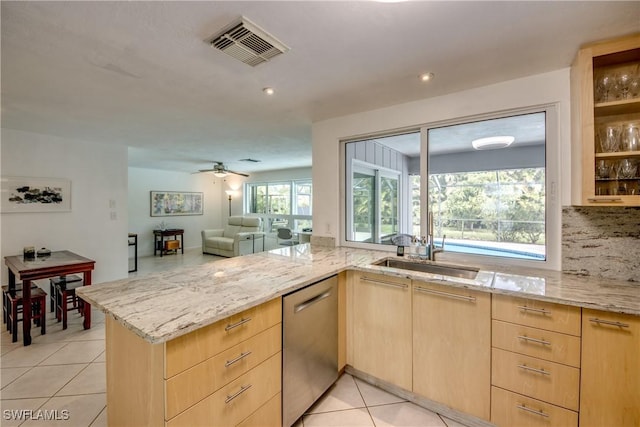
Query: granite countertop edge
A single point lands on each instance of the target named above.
(193, 297)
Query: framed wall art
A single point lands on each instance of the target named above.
(28, 194)
(176, 203)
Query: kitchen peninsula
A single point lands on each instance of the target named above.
(166, 331)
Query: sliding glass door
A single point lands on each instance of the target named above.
(374, 204)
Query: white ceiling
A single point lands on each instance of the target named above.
(140, 74)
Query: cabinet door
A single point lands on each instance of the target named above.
(381, 328)
(452, 347)
(602, 111)
(610, 380)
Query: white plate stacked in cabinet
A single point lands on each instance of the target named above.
(535, 369)
(229, 373)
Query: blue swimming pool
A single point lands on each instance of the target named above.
(478, 249)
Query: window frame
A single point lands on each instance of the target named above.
(291, 217)
(553, 209)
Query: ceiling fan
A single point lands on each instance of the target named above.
(220, 170)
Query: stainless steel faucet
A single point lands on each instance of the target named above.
(432, 248)
(432, 251)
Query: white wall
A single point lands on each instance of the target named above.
(547, 88)
(98, 175)
(143, 181)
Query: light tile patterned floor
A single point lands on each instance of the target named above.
(60, 378)
(351, 402)
(64, 371)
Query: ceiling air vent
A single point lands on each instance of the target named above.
(245, 41)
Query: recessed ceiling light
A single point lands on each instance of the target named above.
(492, 142)
(426, 77)
(268, 90)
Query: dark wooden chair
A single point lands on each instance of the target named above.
(53, 297)
(15, 309)
(66, 300)
(5, 300)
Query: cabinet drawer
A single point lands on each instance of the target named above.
(197, 346)
(231, 404)
(269, 414)
(198, 382)
(382, 280)
(552, 382)
(552, 346)
(510, 409)
(538, 314)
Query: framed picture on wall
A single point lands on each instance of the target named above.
(29, 194)
(176, 203)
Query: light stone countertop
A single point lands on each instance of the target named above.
(162, 306)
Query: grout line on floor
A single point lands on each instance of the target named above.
(98, 416)
(363, 400)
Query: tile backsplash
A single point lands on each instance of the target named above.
(601, 241)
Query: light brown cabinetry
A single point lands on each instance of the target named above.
(610, 382)
(535, 372)
(452, 347)
(380, 328)
(228, 373)
(599, 101)
(511, 409)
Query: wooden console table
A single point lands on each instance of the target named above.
(159, 237)
(59, 263)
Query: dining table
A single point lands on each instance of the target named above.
(55, 264)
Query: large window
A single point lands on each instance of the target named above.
(486, 199)
(489, 200)
(280, 204)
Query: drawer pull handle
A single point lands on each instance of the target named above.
(535, 310)
(237, 393)
(538, 371)
(237, 359)
(382, 282)
(535, 340)
(604, 199)
(235, 325)
(308, 303)
(608, 322)
(445, 294)
(533, 411)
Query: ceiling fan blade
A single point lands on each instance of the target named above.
(238, 173)
(205, 170)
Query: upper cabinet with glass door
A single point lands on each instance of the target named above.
(605, 92)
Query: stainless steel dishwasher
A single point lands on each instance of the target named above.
(310, 346)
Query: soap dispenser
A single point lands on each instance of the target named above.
(424, 243)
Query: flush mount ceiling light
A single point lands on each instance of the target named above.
(268, 90)
(426, 77)
(492, 142)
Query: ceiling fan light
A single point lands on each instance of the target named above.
(220, 174)
(426, 77)
(492, 142)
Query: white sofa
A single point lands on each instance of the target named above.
(241, 236)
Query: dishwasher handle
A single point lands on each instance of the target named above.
(308, 303)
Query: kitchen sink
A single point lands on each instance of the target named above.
(445, 270)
